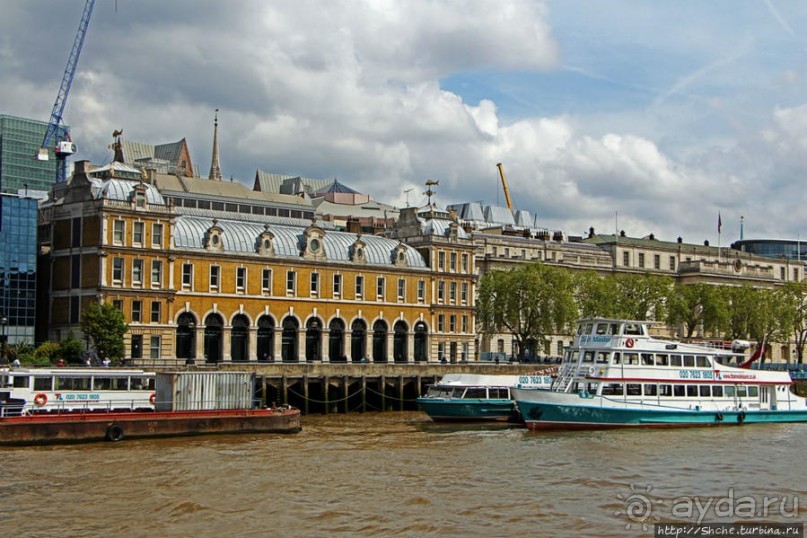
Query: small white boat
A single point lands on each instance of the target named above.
(617, 375)
(477, 398)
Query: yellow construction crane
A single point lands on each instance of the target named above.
(506, 190)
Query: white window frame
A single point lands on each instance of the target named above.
(359, 286)
(266, 281)
(241, 279)
(215, 278)
(313, 287)
(337, 285)
(137, 272)
(157, 235)
(187, 283)
(380, 288)
(118, 267)
(156, 273)
(291, 282)
(138, 228)
(118, 234)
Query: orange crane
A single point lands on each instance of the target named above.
(506, 190)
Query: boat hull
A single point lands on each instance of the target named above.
(74, 428)
(469, 410)
(559, 416)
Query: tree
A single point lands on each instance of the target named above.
(70, 349)
(531, 302)
(104, 324)
(772, 320)
(595, 296)
(642, 297)
(793, 294)
(740, 305)
(696, 305)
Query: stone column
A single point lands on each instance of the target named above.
(277, 344)
(252, 347)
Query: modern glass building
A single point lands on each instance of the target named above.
(20, 140)
(773, 248)
(18, 248)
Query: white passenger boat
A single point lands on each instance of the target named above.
(477, 398)
(617, 375)
(25, 391)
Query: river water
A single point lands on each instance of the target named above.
(399, 474)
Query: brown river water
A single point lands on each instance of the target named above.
(399, 474)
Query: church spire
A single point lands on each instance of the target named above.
(215, 167)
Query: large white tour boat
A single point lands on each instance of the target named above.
(25, 391)
(617, 375)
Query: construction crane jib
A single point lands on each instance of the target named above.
(56, 135)
(504, 186)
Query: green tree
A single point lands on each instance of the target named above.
(595, 296)
(70, 349)
(772, 320)
(696, 305)
(642, 297)
(793, 294)
(530, 302)
(740, 304)
(104, 324)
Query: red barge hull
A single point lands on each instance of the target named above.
(89, 427)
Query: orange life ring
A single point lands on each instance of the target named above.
(41, 399)
(629, 342)
(152, 398)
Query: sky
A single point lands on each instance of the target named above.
(647, 117)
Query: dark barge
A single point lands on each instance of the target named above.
(88, 427)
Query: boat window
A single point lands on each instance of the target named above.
(692, 391)
(651, 390)
(580, 329)
(72, 383)
(662, 360)
(476, 392)
(679, 391)
(617, 358)
(602, 328)
(633, 329)
(689, 361)
(573, 356)
(110, 383)
(457, 393)
(612, 389)
(634, 389)
(730, 392)
(631, 358)
(675, 360)
(592, 388)
(753, 392)
(717, 391)
(589, 328)
(705, 391)
(588, 356)
(602, 357)
(142, 383)
(613, 329)
(742, 392)
(702, 362)
(665, 390)
(43, 383)
(21, 381)
(647, 359)
(500, 393)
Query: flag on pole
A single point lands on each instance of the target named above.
(719, 222)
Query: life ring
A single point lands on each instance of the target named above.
(152, 398)
(629, 342)
(114, 433)
(591, 370)
(41, 399)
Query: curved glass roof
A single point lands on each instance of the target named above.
(121, 190)
(242, 237)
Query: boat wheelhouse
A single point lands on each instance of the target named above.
(616, 374)
(25, 391)
(477, 398)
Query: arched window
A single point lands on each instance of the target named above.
(313, 339)
(336, 341)
(239, 339)
(186, 336)
(380, 341)
(288, 348)
(358, 340)
(421, 342)
(399, 343)
(266, 339)
(213, 339)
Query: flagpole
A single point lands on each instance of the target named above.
(719, 226)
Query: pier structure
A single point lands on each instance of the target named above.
(355, 388)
